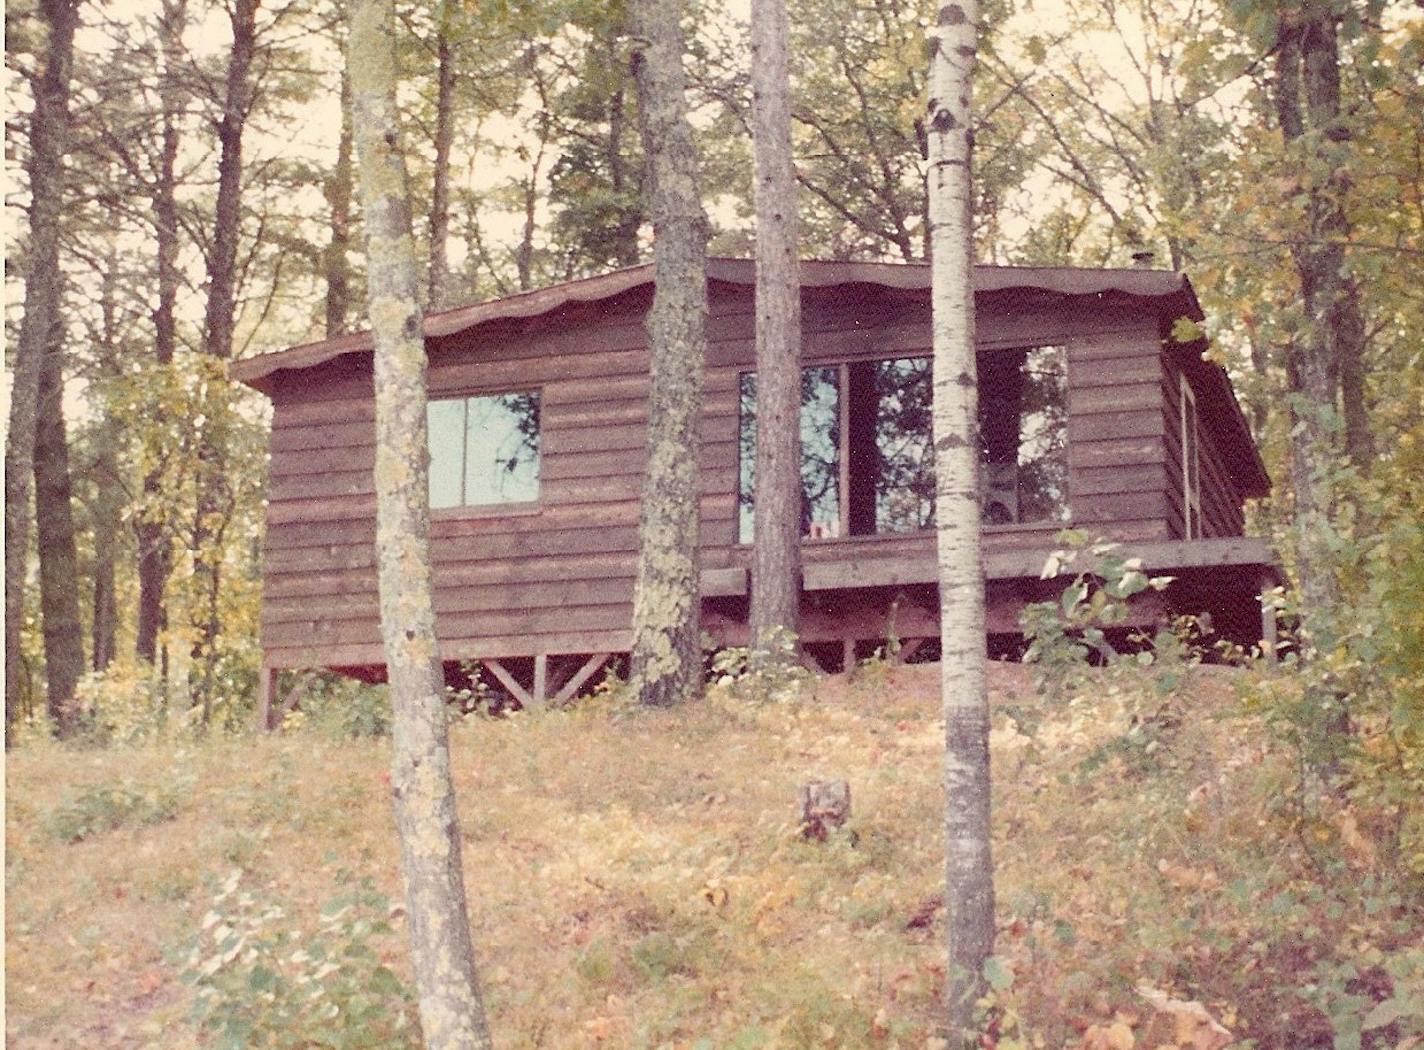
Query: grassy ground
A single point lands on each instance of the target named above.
(637, 881)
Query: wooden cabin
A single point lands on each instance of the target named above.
(1092, 415)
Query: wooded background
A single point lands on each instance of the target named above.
(183, 196)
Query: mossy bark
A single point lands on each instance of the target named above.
(451, 1011)
(776, 554)
(667, 652)
(969, 871)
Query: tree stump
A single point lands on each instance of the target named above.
(825, 804)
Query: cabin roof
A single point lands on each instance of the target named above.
(1170, 295)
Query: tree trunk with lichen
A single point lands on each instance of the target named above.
(451, 1012)
(776, 553)
(49, 140)
(969, 870)
(438, 270)
(667, 649)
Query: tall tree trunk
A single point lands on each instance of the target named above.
(106, 516)
(1330, 346)
(438, 271)
(776, 555)
(451, 1012)
(667, 645)
(969, 869)
(339, 188)
(49, 141)
(227, 213)
(215, 496)
(154, 557)
(54, 536)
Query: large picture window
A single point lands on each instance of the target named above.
(484, 450)
(867, 432)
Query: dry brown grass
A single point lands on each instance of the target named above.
(637, 881)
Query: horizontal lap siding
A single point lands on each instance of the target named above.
(1118, 473)
(560, 579)
(1221, 502)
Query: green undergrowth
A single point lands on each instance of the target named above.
(636, 878)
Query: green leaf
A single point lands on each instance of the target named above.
(997, 973)
(1072, 595)
(1384, 1013)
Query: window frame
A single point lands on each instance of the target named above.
(1191, 463)
(510, 508)
(842, 367)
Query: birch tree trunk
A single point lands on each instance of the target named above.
(776, 553)
(451, 1012)
(667, 649)
(49, 141)
(969, 871)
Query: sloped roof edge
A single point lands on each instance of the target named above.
(1069, 281)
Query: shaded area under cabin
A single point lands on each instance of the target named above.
(1091, 415)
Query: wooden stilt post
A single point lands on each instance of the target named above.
(541, 679)
(266, 694)
(848, 655)
(1268, 621)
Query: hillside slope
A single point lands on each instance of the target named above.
(636, 879)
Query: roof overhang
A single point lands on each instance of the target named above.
(1167, 294)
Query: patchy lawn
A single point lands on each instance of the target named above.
(636, 880)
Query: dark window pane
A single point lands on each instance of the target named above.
(904, 445)
(1043, 437)
(446, 423)
(820, 454)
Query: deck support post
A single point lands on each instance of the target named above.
(508, 680)
(1268, 621)
(908, 648)
(541, 680)
(847, 656)
(266, 694)
(590, 667)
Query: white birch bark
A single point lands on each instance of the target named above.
(451, 1013)
(969, 872)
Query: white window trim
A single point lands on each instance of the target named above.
(1191, 461)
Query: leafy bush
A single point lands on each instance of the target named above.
(769, 674)
(1067, 635)
(261, 981)
(104, 807)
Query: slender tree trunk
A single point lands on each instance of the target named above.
(154, 557)
(776, 554)
(438, 271)
(1331, 344)
(54, 536)
(969, 869)
(667, 646)
(106, 516)
(451, 1012)
(339, 188)
(215, 496)
(227, 214)
(49, 141)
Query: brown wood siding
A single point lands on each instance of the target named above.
(1221, 501)
(1117, 464)
(558, 577)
